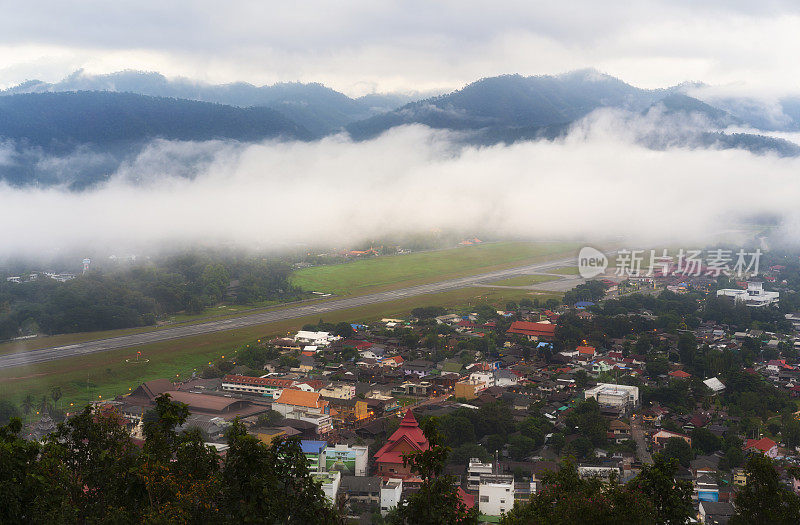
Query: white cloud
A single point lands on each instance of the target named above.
(597, 182)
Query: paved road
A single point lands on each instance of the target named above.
(42, 355)
(638, 436)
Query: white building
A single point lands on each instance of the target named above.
(604, 473)
(487, 378)
(755, 295)
(315, 338)
(391, 493)
(714, 384)
(474, 472)
(495, 494)
(340, 391)
(330, 483)
(618, 396)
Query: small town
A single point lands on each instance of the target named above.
(600, 385)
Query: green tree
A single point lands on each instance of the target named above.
(55, 395)
(568, 499)
(270, 484)
(671, 500)
(679, 449)
(214, 281)
(7, 411)
(765, 499)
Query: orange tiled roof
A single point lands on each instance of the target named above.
(300, 398)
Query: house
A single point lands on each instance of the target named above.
(350, 460)
(475, 469)
(363, 489)
(291, 400)
(739, 477)
(263, 386)
(406, 439)
(330, 482)
(392, 362)
(706, 489)
(349, 410)
(764, 445)
(619, 430)
(680, 374)
(661, 437)
(495, 494)
(714, 512)
(418, 368)
(617, 396)
(338, 391)
(533, 331)
(391, 494)
(468, 389)
(305, 337)
(714, 384)
(754, 295)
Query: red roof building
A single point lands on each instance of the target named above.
(406, 440)
(680, 374)
(533, 330)
(585, 350)
(764, 445)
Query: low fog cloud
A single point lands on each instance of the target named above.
(597, 182)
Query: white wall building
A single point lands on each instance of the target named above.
(315, 338)
(474, 472)
(330, 484)
(486, 378)
(391, 493)
(608, 394)
(496, 494)
(755, 295)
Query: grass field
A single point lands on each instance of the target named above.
(566, 270)
(109, 374)
(524, 280)
(380, 273)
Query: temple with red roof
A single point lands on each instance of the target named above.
(406, 440)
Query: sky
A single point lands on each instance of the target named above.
(364, 46)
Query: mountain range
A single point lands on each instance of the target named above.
(116, 115)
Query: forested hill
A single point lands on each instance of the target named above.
(514, 101)
(316, 107)
(60, 121)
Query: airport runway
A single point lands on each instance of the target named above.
(42, 355)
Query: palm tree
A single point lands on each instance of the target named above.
(55, 393)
